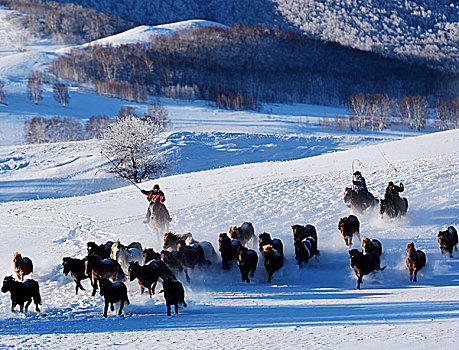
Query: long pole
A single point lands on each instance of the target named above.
(119, 170)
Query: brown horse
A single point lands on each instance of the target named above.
(348, 226)
(415, 261)
(171, 239)
(371, 246)
(97, 269)
(272, 259)
(22, 266)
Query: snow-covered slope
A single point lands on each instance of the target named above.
(143, 34)
(316, 307)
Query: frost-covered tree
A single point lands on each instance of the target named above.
(34, 89)
(132, 146)
(61, 94)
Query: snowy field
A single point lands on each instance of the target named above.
(274, 168)
(317, 306)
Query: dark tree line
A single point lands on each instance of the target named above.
(251, 64)
(417, 31)
(67, 23)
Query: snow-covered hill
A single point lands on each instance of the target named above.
(316, 307)
(143, 34)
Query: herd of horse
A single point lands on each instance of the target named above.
(108, 265)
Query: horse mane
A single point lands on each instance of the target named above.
(17, 255)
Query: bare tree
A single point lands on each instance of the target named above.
(34, 130)
(380, 111)
(415, 110)
(357, 106)
(61, 94)
(96, 126)
(2, 94)
(454, 106)
(34, 89)
(158, 114)
(442, 110)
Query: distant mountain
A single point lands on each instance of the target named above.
(418, 31)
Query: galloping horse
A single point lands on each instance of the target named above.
(22, 266)
(359, 202)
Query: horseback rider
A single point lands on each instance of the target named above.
(359, 183)
(392, 195)
(156, 198)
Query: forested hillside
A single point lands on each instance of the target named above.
(241, 65)
(419, 31)
(66, 23)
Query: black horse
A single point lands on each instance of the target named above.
(76, 267)
(22, 292)
(359, 201)
(393, 209)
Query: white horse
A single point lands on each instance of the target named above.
(209, 252)
(125, 255)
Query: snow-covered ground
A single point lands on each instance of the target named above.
(317, 306)
(143, 34)
(274, 168)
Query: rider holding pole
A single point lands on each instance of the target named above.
(156, 198)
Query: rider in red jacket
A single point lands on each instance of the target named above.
(155, 197)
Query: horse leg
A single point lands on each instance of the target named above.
(27, 304)
(21, 307)
(168, 309)
(142, 288)
(121, 307)
(112, 307)
(105, 308)
(94, 287)
(359, 280)
(152, 290)
(415, 279)
(176, 308)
